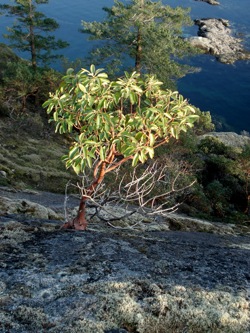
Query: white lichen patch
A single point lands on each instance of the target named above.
(241, 246)
(14, 234)
(177, 309)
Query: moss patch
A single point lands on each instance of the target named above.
(30, 161)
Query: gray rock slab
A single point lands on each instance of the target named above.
(62, 281)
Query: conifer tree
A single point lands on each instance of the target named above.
(150, 33)
(30, 32)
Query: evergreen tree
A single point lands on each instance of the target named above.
(148, 32)
(30, 33)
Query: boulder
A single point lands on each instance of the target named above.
(10, 206)
(215, 37)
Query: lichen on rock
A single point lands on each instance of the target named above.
(10, 206)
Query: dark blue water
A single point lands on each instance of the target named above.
(221, 89)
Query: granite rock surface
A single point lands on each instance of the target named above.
(109, 280)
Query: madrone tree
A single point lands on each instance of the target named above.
(114, 122)
(30, 32)
(148, 32)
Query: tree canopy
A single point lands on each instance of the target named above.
(30, 33)
(115, 121)
(148, 32)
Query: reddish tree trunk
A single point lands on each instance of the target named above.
(80, 222)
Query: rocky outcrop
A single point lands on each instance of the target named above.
(136, 276)
(26, 207)
(229, 138)
(215, 37)
(210, 2)
(116, 217)
(113, 281)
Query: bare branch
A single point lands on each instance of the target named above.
(154, 189)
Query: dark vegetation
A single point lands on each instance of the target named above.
(222, 173)
(222, 188)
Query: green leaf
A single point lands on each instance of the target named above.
(73, 152)
(135, 160)
(126, 134)
(82, 87)
(103, 75)
(129, 151)
(55, 116)
(84, 152)
(92, 69)
(77, 168)
(90, 142)
(98, 121)
(70, 71)
(89, 162)
(132, 97)
(83, 164)
(142, 157)
(150, 152)
(138, 136)
(102, 154)
(151, 139)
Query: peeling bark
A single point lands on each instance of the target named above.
(80, 222)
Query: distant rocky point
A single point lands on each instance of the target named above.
(210, 2)
(215, 37)
(230, 138)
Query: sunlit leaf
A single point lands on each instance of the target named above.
(82, 87)
(73, 152)
(102, 154)
(135, 160)
(92, 69)
(150, 152)
(77, 168)
(151, 139)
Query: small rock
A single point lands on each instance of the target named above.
(3, 174)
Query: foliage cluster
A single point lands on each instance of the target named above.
(222, 189)
(146, 34)
(22, 87)
(128, 117)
